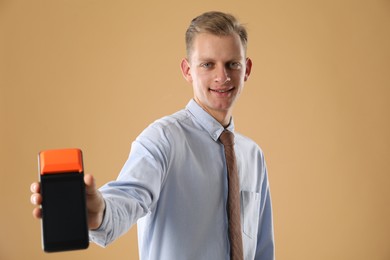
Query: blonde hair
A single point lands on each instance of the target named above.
(217, 23)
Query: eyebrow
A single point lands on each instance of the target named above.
(208, 59)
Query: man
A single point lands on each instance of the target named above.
(174, 184)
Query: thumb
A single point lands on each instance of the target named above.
(90, 184)
(95, 202)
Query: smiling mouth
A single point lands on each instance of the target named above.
(222, 90)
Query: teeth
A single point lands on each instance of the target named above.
(221, 91)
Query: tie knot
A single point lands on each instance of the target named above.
(227, 138)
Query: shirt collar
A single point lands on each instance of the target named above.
(209, 123)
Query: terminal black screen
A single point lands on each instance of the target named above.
(64, 215)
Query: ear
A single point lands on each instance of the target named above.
(248, 68)
(186, 70)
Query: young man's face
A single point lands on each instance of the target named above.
(217, 68)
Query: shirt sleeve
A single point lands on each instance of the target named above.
(137, 188)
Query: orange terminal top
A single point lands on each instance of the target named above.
(60, 161)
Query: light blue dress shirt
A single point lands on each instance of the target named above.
(174, 186)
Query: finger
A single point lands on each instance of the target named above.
(90, 185)
(37, 213)
(35, 187)
(36, 199)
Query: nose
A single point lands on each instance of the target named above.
(222, 76)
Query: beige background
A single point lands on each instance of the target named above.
(93, 73)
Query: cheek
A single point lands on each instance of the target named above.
(202, 80)
(240, 77)
(239, 83)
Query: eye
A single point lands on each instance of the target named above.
(206, 65)
(234, 65)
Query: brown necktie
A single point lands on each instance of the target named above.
(233, 207)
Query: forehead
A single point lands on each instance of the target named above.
(210, 46)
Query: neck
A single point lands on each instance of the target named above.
(222, 116)
(226, 122)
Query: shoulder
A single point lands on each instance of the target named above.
(167, 126)
(171, 122)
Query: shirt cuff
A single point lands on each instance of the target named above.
(99, 235)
